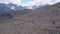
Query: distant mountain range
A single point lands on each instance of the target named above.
(15, 7)
(6, 11)
(11, 10)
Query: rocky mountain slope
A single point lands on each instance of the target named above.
(45, 20)
(5, 12)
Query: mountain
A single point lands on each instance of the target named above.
(4, 8)
(7, 13)
(19, 7)
(15, 7)
(44, 20)
(39, 6)
(35, 6)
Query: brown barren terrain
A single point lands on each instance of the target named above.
(40, 21)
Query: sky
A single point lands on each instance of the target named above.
(30, 2)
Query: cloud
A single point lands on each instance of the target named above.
(10, 1)
(41, 2)
(30, 3)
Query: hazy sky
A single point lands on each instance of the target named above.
(30, 2)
